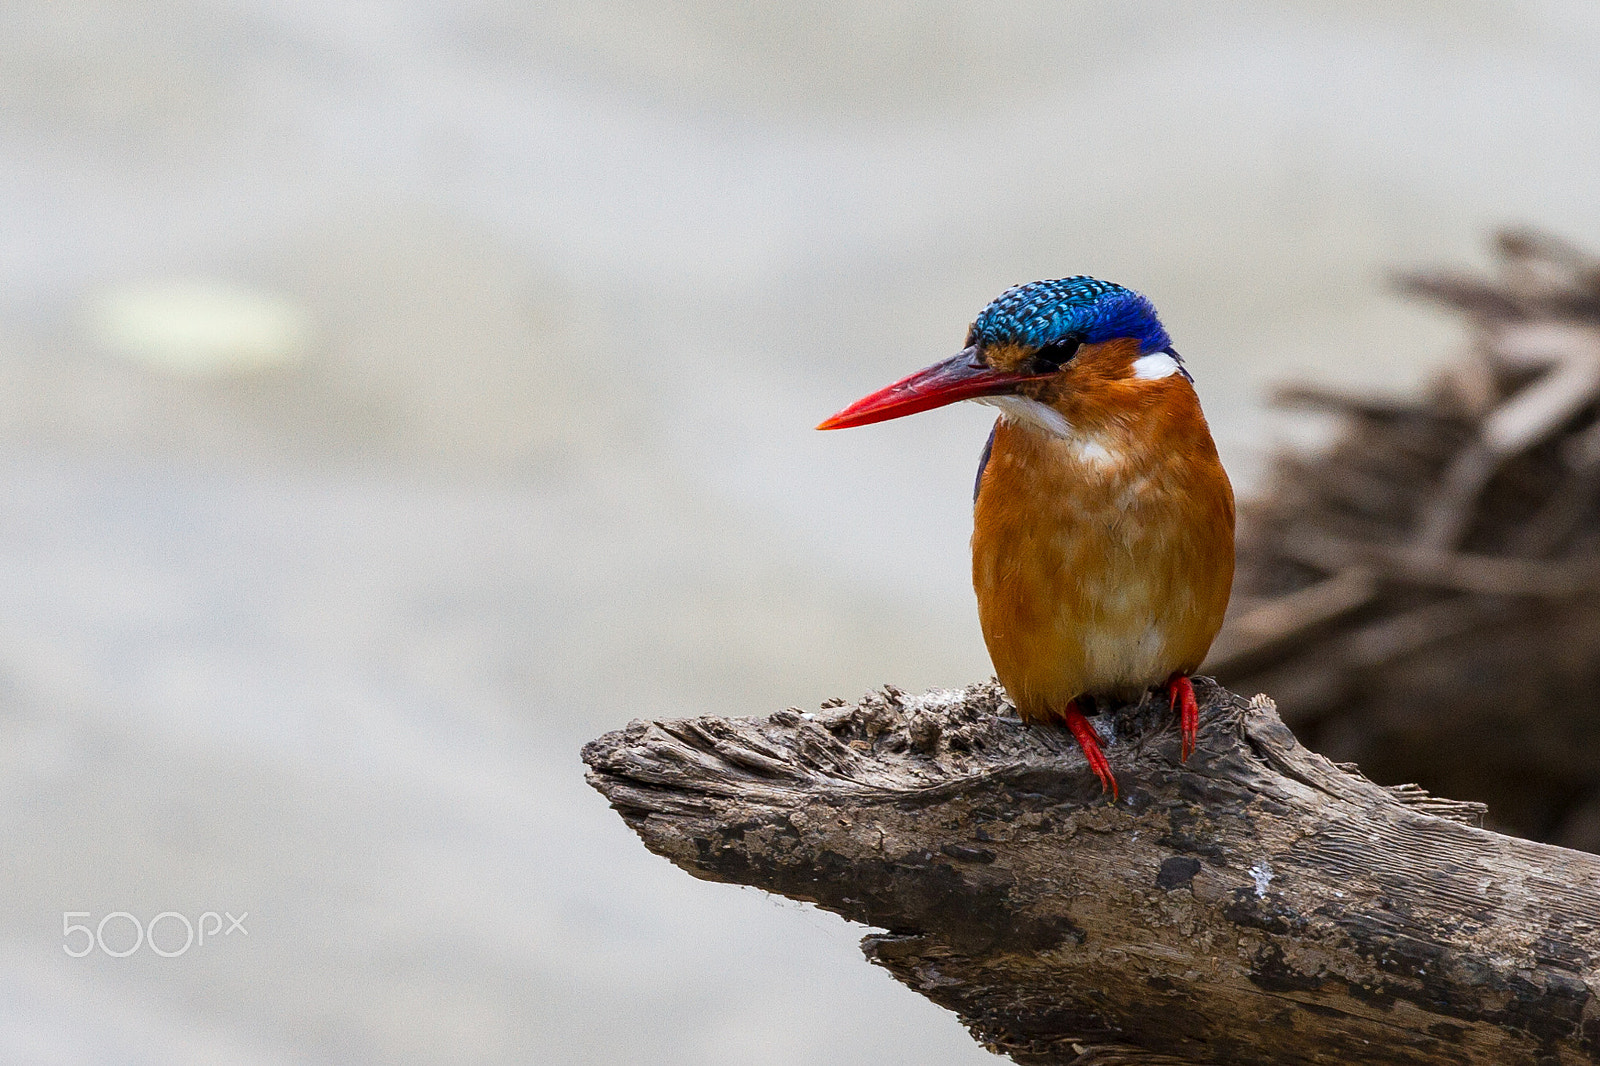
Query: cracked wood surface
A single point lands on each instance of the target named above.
(1256, 905)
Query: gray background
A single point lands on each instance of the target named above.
(321, 644)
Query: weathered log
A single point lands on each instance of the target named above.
(1257, 904)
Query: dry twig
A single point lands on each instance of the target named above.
(1446, 552)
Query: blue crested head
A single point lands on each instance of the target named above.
(1082, 308)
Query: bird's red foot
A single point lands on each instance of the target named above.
(1087, 739)
(1180, 691)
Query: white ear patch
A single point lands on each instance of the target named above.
(1155, 366)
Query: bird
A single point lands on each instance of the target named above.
(1103, 520)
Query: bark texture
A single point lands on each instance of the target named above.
(1255, 905)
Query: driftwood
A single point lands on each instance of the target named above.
(1258, 904)
(1422, 597)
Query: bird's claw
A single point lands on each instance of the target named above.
(1181, 692)
(1087, 739)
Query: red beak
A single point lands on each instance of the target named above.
(963, 376)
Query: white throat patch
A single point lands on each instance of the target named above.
(1040, 416)
(1094, 451)
(1155, 366)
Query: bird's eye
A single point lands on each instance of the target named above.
(972, 335)
(1053, 357)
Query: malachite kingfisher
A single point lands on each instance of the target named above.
(1102, 532)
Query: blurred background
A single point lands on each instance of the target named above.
(394, 396)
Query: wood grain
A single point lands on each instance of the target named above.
(1256, 905)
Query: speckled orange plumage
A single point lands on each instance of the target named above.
(1102, 559)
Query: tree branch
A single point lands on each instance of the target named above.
(1256, 905)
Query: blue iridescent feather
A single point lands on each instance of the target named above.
(1091, 310)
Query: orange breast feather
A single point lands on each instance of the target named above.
(1103, 560)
